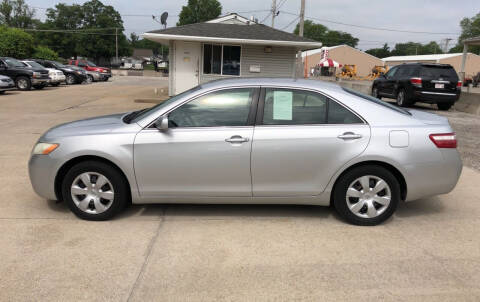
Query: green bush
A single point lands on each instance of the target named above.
(15, 43)
(45, 53)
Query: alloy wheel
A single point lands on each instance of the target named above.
(22, 84)
(375, 92)
(400, 98)
(70, 80)
(368, 196)
(92, 192)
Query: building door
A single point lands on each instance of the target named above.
(187, 62)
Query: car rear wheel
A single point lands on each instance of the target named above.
(366, 195)
(23, 83)
(444, 106)
(95, 190)
(402, 99)
(70, 79)
(375, 93)
(89, 79)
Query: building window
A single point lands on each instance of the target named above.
(221, 59)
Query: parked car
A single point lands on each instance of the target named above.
(251, 141)
(420, 82)
(56, 76)
(92, 76)
(89, 66)
(24, 77)
(71, 76)
(6, 84)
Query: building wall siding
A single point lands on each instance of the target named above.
(279, 63)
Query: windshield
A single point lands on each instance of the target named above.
(58, 65)
(91, 64)
(138, 115)
(34, 64)
(14, 63)
(376, 101)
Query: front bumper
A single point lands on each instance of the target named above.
(42, 175)
(37, 81)
(57, 79)
(9, 86)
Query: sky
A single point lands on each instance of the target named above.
(432, 16)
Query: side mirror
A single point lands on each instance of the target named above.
(162, 123)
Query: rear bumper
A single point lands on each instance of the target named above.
(433, 178)
(436, 97)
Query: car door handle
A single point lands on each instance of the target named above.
(349, 135)
(237, 139)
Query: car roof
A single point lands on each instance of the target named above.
(426, 64)
(264, 81)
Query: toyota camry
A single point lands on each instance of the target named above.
(262, 141)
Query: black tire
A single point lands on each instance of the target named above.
(23, 83)
(106, 79)
(2, 91)
(70, 79)
(375, 93)
(39, 87)
(90, 79)
(402, 98)
(444, 106)
(55, 84)
(340, 194)
(118, 181)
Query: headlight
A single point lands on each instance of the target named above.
(44, 148)
(36, 74)
(79, 72)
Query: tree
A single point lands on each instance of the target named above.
(16, 13)
(380, 52)
(134, 39)
(199, 11)
(470, 28)
(15, 43)
(91, 29)
(328, 37)
(45, 53)
(414, 48)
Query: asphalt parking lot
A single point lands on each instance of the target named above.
(429, 250)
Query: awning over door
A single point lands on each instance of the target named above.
(328, 63)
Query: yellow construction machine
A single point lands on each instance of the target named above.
(348, 71)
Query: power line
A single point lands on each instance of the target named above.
(285, 27)
(374, 28)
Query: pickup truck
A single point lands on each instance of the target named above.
(105, 73)
(25, 77)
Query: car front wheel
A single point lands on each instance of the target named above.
(23, 83)
(95, 190)
(366, 195)
(70, 79)
(375, 93)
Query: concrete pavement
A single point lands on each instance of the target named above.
(429, 250)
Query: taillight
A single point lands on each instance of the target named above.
(417, 82)
(444, 140)
(459, 84)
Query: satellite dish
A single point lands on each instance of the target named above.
(163, 19)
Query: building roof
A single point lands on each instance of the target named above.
(142, 52)
(472, 41)
(422, 57)
(232, 17)
(318, 50)
(231, 33)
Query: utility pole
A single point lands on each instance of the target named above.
(302, 17)
(116, 44)
(447, 40)
(274, 12)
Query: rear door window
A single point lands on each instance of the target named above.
(436, 72)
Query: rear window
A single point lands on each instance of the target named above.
(376, 101)
(446, 72)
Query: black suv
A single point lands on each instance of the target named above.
(419, 82)
(71, 76)
(24, 76)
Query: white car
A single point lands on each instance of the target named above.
(56, 76)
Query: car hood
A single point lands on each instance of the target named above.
(428, 118)
(91, 126)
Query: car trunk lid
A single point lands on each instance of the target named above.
(428, 118)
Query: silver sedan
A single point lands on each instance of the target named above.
(260, 140)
